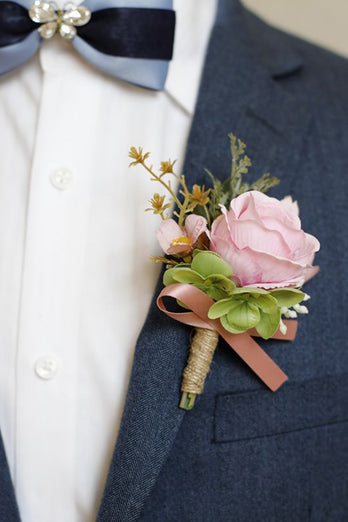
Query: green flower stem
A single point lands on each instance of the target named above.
(207, 215)
(187, 401)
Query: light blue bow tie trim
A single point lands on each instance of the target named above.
(147, 73)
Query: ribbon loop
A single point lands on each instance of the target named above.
(243, 344)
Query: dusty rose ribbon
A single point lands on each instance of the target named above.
(243, 344)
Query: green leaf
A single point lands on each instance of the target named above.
(263, 184)
(222, 308)
(168, 278)
(250, 290)
(221, 282)
(268, 324)
(215, 292)
(288, 296)
(266, 303)
(180, 303)
(186, 275)
(226, 325)
(244, 316)
(207, 263)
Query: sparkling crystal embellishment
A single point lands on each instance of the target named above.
(63, 21)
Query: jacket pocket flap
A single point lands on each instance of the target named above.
(298, 406)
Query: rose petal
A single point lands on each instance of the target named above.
(261, 238)
(255, 235)
(259, 206)
(258, 268)
(309, 272)
(219, 226)
(305, 254)
(301, 245)
(290, 205)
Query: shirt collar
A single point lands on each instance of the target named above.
(194, 21)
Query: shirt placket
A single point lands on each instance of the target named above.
(52, 279)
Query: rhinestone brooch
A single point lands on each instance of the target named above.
(63, 21)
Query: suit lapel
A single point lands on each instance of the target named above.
(8, 506)
(242, 92)
(237, 94)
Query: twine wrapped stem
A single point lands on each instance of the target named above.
(202, 349)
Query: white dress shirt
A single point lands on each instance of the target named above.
(75, 275)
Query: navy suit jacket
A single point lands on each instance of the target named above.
(245, 454)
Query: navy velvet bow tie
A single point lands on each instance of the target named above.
(133, 43)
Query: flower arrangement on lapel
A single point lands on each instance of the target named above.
(236, 262)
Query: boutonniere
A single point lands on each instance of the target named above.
(236, 260)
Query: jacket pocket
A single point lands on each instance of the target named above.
(295, 407)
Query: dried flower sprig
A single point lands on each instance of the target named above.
(158, 205)
(190, 199)
(202, 201)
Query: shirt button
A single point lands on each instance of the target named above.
(62, 178)
(46, 367)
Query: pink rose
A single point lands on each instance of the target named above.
(175, 240)
(261, 238)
